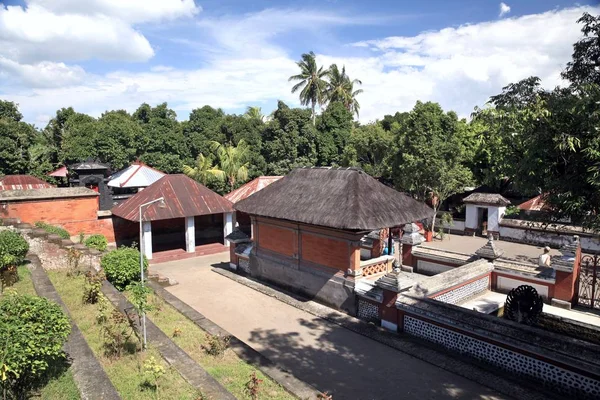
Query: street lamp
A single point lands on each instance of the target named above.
(161, 204)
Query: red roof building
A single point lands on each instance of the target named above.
(535, 204)
(23, 182)
(251, 187)
(59, 173)
(187, 204)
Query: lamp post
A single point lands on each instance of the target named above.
(161, 204)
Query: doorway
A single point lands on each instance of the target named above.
(482, 221)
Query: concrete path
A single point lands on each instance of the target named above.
(326, 355)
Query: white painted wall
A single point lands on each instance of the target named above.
(456, 225)
(471, 217)
(553, 239)
(431, 268)
(147, 238)
(190, 235)
(505, 284)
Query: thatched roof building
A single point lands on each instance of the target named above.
(341, 198)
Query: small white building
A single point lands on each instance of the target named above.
(131, 180)
(484, 212)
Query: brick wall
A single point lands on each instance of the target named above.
(76, 214)
(330, 252)
(280, 240)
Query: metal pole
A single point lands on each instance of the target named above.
(142, 274)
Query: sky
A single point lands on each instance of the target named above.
(98, 55)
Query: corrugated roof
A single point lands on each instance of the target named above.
(345, 198)
(184, 197)
(136, 175)
(59, 173)
(487, 198)
(22, 182)
(538, 203)
(251, 187)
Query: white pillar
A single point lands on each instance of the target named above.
(227, 226)
(147, 238)
(190, 235)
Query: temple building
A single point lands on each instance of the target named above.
(131, 180)
(193, 219)
(307, 229)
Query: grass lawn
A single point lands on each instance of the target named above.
(126, 372)
(232, 372)
(61, 387)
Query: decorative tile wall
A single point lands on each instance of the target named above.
(567, 382)
(367, 311)
(459, 294)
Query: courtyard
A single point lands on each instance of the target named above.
(326, 355)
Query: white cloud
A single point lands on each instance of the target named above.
(504, 9)
(132, 11)
(43, 74)
(459, 67)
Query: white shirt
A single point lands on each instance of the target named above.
(544, 260)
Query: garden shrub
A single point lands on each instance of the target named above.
(97, 242)
(116, 333)
(122, 266)
(32, 333)
(93, 287)
(56, 230)
(13, 248)
(216, 345)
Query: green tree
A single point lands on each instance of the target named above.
(433, 150)
(16, 137)
(334, 127)
(78, 136)
(233, 162)
(312, 83)
(585, 65)
(201, 128)
(117, 138)
(289, 140)
(254, 113)
(10, 111)
(202, 171)
(371, 148)
(341, 89)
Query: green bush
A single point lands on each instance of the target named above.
(98, 242)
(13, 249)
(122, 266)
(57, 230)
(32, 333)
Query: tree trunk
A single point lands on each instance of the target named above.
(433, 219)
(314, 120)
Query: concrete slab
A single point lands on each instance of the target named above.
(323, 354)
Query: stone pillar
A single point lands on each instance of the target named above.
(411, 238)
(190, 235)
(354, 270)
(227, 225)
(147, 238)
(567, 271)
(391, 285)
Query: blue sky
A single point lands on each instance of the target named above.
(96, 55)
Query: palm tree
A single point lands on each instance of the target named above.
(233, 162)
(341, 88)
(312, 82)
(254, 113)
(203, 171)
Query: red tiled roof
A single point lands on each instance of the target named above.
(184, 197)
(22, 182)
(251, 187)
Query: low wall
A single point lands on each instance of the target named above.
(561, 363)
(457, 226)
(326, 286)
(555, 235)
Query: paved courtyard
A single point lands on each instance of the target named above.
(326, 355)
(470, 244)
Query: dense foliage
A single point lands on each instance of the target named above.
(53, 230)
(526, 138)
(122, 266)
(32, 331)
(96, 241)
(13, 248)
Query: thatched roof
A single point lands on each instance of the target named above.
(487, 198)
(342, 198)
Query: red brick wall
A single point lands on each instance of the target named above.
(279, 240)
(326, 251)
(77, 214)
